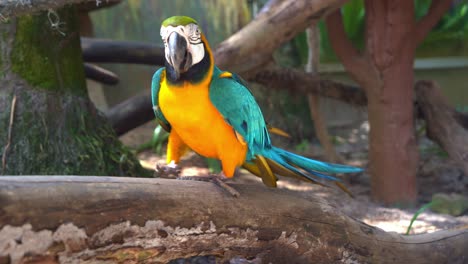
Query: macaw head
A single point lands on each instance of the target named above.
(184, 44)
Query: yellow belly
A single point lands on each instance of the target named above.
(199, 124)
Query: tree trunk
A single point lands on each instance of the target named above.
(124, 220)
(385, 72)
(52, 127)
(393, 153)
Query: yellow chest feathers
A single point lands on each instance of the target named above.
(197, 121)
(185, 107)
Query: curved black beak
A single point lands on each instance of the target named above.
(179, 56)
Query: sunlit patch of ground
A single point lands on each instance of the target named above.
(361, 207)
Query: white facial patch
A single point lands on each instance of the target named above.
(197, 51)
(192, 35)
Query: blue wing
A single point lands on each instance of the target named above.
(155, 86)
(237, 105)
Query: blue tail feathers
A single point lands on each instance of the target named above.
(316, 168)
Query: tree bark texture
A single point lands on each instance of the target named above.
(105, 219)
(52, 127)
(393, 151)
(443, 122)
(385, 71)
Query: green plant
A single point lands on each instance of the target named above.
(422, 209)
(303, 146)
(214, 165)
(435, 150)
(157, 141)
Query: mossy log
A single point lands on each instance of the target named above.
(127, 220)
(48, 125)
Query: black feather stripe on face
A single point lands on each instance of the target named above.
(194, 74)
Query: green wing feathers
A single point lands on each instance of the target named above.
(238, 107)
(155, 86)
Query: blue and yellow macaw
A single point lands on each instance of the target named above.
(213, 113)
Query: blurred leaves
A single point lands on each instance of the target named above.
(450, 36)
(353, 20)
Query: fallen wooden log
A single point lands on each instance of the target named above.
(71, 219)
(444, 124)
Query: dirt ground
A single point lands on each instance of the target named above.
(438, 174)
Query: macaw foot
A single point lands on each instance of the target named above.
(217, 179)
(169, 171)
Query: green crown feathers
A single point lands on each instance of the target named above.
(178, 21)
